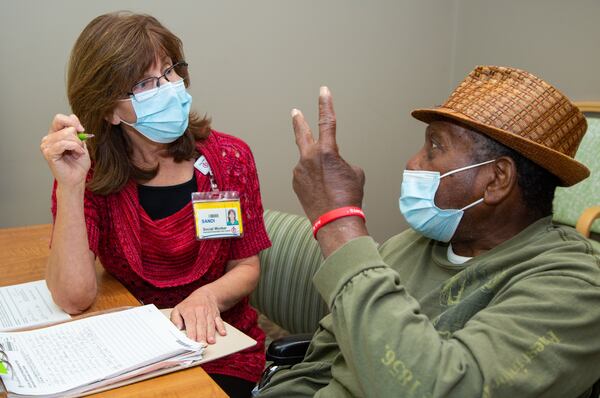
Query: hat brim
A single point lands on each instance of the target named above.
(568, 170)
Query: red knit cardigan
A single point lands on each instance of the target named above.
(160, 262)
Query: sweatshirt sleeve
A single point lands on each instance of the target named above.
(522, 345)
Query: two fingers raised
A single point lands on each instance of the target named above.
(327, 125)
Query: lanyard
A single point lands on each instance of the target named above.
(203, 167)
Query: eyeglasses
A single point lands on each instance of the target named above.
(142, 90)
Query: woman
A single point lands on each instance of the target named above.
(231, 217)
(124, 195)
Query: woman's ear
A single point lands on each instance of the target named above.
(113, 118)
(503, 182)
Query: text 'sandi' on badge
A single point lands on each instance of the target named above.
(217, 214)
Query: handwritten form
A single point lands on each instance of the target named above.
(28, 304)
(87, 351)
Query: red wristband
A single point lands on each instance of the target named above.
(333, 215)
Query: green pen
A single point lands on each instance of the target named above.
(83, 136)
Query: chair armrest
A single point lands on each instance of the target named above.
(288, 350)
(283, 353)
(585, 221)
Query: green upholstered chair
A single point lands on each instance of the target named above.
(579, 205)
(285, 293)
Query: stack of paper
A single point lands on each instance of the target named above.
(89, 353)
(28, 304)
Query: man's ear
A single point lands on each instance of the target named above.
(504, 181)
(113, 118)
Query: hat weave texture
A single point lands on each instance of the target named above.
(522, 112)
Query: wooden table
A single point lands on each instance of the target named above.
(23, 255)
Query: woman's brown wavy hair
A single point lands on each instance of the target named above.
(112, 53)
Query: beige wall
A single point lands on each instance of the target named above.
(555, 39)
(251, 62)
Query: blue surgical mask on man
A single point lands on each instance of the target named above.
(163, 112)
(418, 208)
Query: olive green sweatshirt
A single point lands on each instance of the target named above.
(521, 320)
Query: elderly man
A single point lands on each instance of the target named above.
(484, 296)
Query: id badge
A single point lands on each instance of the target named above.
(217, 214)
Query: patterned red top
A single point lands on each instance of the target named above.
(160, 262)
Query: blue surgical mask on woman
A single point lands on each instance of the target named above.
(418, 208)
(163, 112)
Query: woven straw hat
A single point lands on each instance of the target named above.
(522, 112)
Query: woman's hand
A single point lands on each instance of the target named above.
(199, 314)
(65, 153)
